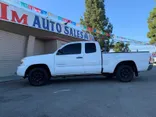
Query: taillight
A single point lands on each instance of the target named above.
(151, 60)
(154, 54)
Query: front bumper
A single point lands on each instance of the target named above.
(21, 70)
(150, 67)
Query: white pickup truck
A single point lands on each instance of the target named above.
(83, 58)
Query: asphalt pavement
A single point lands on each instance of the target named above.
(81, 97)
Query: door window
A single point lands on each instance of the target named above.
(70, 49)
(90, 48)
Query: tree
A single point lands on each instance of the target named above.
(121, 47)
(126, 48)
(152, 26)
(95, 18)
(106, 45)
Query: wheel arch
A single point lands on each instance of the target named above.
(35, 66)
(129, 63)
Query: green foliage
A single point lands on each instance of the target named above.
(121, 47)
(152, 26)
(95, 17)
(118, 47)
(106, 45)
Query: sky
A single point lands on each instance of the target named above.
(129, 17)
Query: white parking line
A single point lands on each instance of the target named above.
(63, 90)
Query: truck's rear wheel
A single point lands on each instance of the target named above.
(125, 73)
(38, 76)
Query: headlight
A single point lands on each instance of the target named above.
(22, 61)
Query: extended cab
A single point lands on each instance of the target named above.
(83, 58)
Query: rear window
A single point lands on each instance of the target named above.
(90, 48)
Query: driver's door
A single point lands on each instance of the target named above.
(69, 60)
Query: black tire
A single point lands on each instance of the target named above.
(125, 73)
(38, 76)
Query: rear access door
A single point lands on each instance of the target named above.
(92, 59)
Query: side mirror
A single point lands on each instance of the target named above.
(59, 52)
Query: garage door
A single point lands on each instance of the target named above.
(12, 50)
(39, 47)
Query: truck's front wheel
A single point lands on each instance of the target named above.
(38, 76)
(125, 73)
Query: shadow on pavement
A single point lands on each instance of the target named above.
(82, 80)
(79, 80)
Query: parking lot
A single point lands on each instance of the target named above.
(82, 97)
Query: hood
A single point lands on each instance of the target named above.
(38, 59)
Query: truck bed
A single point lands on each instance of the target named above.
(110, 60)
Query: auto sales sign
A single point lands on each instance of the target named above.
(17, 15)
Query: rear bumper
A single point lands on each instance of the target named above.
(154, 59)
(150, 67)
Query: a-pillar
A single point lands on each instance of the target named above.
(30, 46)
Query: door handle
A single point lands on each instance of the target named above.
(79, 57)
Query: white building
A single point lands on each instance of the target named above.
(23, 33)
